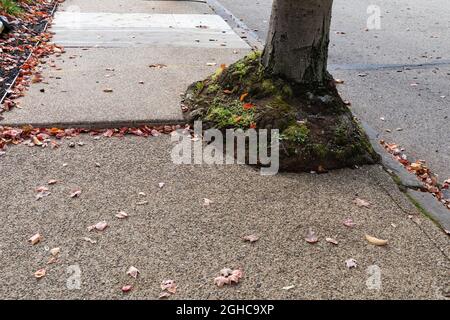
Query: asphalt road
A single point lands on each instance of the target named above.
(406, 65)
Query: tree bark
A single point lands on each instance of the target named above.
(297, 43)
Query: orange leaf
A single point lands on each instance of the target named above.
(248, 106)
(243, 96)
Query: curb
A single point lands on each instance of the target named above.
(99, 124)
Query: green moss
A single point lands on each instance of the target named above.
(279, 104)
(267, 87)
(199, 86)
(230, 115)
(287, 91)
(296, 133)
(213, 88)
(319, 150)
(340, 135)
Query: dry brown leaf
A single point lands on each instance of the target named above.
(75, 193)
(349, 223)
(99, 226)
(122, 215)
(169, 286)
(133, 272)
(40, 273)
(251, 238)
(221, 281)
(332, 241)
(55, 251)
(51, 182)
(89, 240)
(376, 241)
(35, 239)
(351, 263)
(127, 288)
(108, 90)
(311, 236)
(361, 203)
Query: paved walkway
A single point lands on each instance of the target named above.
(169, 232)
(109, 48)
(174, 236)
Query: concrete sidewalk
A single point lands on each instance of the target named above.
(112, 48)
(174, 236)
(170, 233)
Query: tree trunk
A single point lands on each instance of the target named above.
(297, 43)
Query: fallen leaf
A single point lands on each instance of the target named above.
(228, 276)
(376, 241)
(41, 189)
(332, 241)
(169, 286)
(351, 263)
(89, 240)
(311, 236)
(100, 226)
(251, 238)
(288, 287)
(35, 239)
(349, 223)
(40, 273)
(75, 193)
(55, 251)
(225, 272)
(108, 90)
(361, 203)
(221, 281)
(133, 272)
(127, 288)
(122, 215)
(243, 96)
(51, 182)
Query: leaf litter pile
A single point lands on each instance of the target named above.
(423, 172)
(51, 137)
(24, 46)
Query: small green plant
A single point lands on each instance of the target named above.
(10, 7)
(297, 133)
(231, 114)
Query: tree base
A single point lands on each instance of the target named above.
(317, 130)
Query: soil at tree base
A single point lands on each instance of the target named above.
(317, 130)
